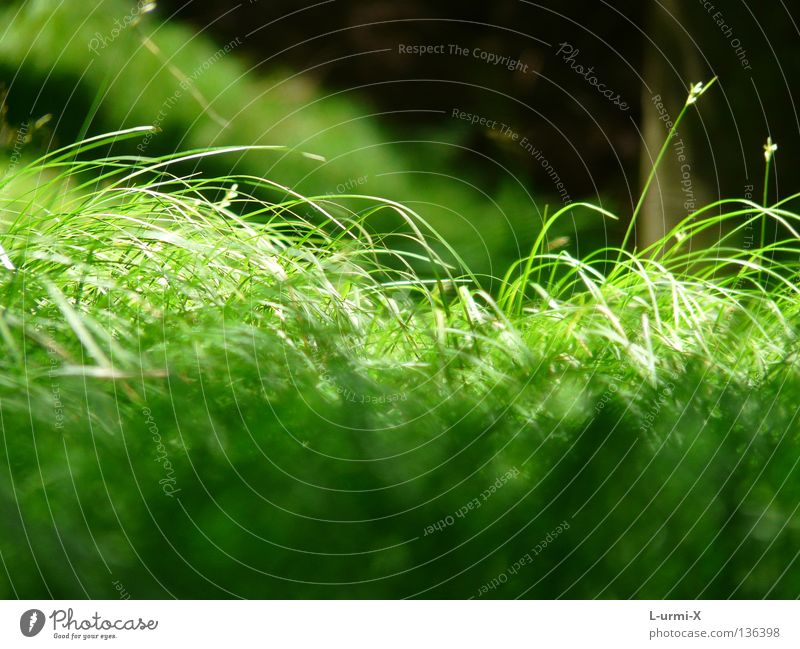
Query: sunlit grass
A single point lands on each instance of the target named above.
(241, 324)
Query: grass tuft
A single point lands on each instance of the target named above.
(288, 366)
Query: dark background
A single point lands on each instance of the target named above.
(349, 50)
(637, 48)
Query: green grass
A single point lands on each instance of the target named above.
(204, 394)
(232, 99)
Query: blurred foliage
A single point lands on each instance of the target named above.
(196, 406)
(133, 81)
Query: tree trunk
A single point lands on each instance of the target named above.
(671, 64)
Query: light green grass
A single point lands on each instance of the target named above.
(318, 389)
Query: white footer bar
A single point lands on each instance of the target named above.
(399, 624)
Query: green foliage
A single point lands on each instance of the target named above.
(199, 94)
(204, 394)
